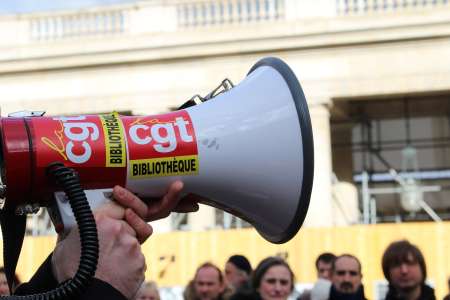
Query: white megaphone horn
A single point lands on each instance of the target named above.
(256, 151)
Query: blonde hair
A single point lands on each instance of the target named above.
(151, 285)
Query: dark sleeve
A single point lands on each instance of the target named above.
(245, 295)
(44, 281)
(102, 290)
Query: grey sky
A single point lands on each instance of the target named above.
(25, 6)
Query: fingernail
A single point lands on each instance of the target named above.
(120, 191)
(179, 185)
(128, 213)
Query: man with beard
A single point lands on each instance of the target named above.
(237, 272)
(346, 278)
(405, 270)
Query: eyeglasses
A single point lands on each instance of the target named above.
(343, 272)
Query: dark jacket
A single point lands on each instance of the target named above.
(246, 295)
(336, 295)
(427, 293)
(43, 281)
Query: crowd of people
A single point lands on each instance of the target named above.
(122, 227)
(339, 277)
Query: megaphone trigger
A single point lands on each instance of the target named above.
(61, 212)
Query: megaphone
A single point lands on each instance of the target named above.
(248, 151)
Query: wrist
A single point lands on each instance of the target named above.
(100, 289)
(54, 269)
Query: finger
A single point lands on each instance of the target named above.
(130, 246)
(142, 229)
(129, 200)
(109, 227)
(128, 229)
(186, 205)
(112, 210)
(161, 209)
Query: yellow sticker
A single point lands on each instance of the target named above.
(164, 166)
(114, 140)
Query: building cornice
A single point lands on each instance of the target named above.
(344, 31)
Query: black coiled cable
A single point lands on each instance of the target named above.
(70, 182)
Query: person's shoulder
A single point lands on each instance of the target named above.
(305, 295)
(427, 293)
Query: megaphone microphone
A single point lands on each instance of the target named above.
(247, 149)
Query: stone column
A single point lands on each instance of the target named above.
(320, 207)
(203, 219)
(163, 225)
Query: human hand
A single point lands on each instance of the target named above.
(120, 232)
(156, 208)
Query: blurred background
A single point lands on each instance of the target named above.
(376, 75)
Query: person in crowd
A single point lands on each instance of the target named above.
(148, 291)
(324, 264)
(272, 279)
(237, 272)
(321, 288)
(122, 226)
(405, 269)
(208, 284)
(346, 278)
(4, 288)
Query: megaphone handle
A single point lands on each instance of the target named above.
(61, 212)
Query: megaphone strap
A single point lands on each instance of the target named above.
(13, 230)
